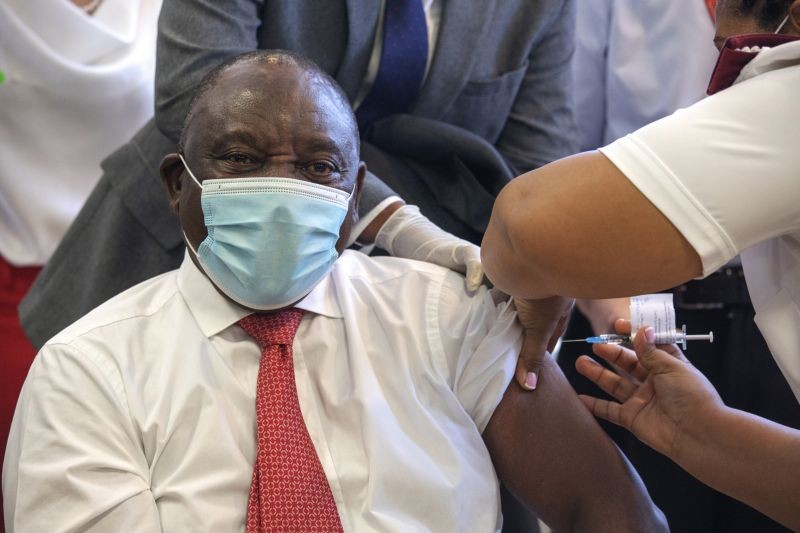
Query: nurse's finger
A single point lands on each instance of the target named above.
(623, 358)
(611, 411)
(613, 384)
(653, 357)
(674, 351)
(622, 326)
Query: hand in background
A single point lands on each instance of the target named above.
(544, 322)
(660, 392)
(603, 313)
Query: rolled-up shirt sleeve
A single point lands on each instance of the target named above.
(481, 341)
(723, 171)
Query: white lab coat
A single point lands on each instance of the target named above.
(77, 87)
(637, 61)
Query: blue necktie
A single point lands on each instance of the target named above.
(404, 56)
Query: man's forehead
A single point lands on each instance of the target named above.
(268, 80)
(268, 94)
(261, 84)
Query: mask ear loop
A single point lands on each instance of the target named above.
(189, 171)
(189, 244)
(785, 20)
(352, 190)
(185, 238)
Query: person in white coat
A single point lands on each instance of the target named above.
(673, 201)
(76, 80)
(637, 61)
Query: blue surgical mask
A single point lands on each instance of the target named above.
(270, 240)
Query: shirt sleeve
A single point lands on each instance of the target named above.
(73, 462)
(481, 341)
(723, 171)
(194, 36)
(541, 124)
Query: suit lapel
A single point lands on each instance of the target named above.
(362, 21)
(462, 26)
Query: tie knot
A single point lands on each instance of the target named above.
(273, 328)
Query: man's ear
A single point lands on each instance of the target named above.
(171, 170)
(362, 172)
(346, 237)
(794, 16)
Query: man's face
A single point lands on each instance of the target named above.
(264, 120)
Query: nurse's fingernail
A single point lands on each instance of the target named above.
(650, 335)
(530, 381)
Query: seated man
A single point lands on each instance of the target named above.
(273, 385)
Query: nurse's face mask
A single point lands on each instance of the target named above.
(739, 50)
(270, 240)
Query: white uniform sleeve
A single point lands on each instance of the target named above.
(73, 461)
(725, 170)
(481, 342)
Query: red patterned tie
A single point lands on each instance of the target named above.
(289, 491)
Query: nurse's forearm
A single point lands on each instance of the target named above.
(578, 227)
(748, 458)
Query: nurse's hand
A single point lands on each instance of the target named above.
(544, 321)
(662, 396)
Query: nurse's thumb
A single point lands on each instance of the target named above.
(527, 375)
(655, 360)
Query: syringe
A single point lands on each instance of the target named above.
(679, 337)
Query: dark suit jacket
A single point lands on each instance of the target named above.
(495, 103)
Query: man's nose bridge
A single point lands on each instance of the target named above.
(283, 165)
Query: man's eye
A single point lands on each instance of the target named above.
(321, 168)
(238, 158)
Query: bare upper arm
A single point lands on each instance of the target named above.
(552, 455)
(579, 227)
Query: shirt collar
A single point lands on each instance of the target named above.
(785, 55)
(215, 313)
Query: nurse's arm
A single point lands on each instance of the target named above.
(579, 227)
(677, 412)
(749, 458)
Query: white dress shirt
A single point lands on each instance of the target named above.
(141, 415)
(725, 173)
(637, 61)
(77, 87)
